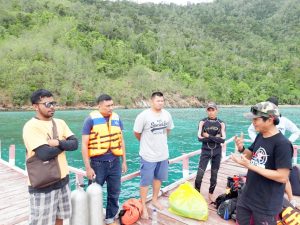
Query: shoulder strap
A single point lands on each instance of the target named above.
(54, 130)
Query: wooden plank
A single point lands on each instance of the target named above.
(21, 220)
(228, 168)
(10, 214)
(14, 197)
(14, 202)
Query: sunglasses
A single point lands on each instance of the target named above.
(256, 112)
(48, 104)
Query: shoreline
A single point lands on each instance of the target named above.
(81, 107)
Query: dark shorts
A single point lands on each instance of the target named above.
(153, 170)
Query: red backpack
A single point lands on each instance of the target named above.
(131, 212)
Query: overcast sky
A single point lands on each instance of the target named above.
(178, 2)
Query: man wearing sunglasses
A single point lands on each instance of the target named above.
(284, 125)
(50, 204)
(268, 160)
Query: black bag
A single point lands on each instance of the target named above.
(227, 208)
(234, 189)
(43, 173)
(235, 184)
(221, 198)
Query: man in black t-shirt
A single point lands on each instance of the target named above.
(269, 160)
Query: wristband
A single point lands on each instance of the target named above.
(243, 149)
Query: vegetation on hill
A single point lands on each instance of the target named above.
(230, 51)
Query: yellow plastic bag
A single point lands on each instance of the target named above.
(187, 202)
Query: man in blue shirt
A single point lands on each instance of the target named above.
(102, 147)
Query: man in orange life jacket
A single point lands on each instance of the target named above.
(102, 146)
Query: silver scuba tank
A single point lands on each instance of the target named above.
(80, 211)
(95, 204)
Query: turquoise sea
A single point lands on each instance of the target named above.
(183, 138)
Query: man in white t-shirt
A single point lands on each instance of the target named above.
(151, 128)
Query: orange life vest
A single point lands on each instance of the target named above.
(105, 135)
(131, 212)
(290, 216)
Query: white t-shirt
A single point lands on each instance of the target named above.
(284, 124)
(153, 129)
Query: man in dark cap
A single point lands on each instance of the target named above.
(211, 132)
(268, 160)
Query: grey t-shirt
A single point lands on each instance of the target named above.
(153, 128)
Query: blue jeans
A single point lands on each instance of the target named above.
(109, 172)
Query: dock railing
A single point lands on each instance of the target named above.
(184, 159)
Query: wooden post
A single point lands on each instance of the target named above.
(295, 154)
(236, 148)
(224, 149)
(185, 166)
(79, 180)
(12, 155)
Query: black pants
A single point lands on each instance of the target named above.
(244, 215)
(215, 156)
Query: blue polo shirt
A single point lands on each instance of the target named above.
(86, 130)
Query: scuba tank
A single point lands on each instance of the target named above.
(80, 211)
(95, 204)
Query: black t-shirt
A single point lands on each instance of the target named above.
(263, 195)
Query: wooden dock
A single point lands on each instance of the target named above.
(228, 168)
(14, 197)
(14, 202)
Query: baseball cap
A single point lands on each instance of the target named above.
(263, 109)
(211, 105)
(273, 100)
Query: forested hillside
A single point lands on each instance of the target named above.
(230, 51)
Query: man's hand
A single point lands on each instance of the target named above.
(241, 159)
(53, 142)
(205, 134)
(239, 141)
(124, 167)
(90, 173)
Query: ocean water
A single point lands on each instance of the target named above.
(183, 138)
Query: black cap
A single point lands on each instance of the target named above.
(273, 99)
(211, 105)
